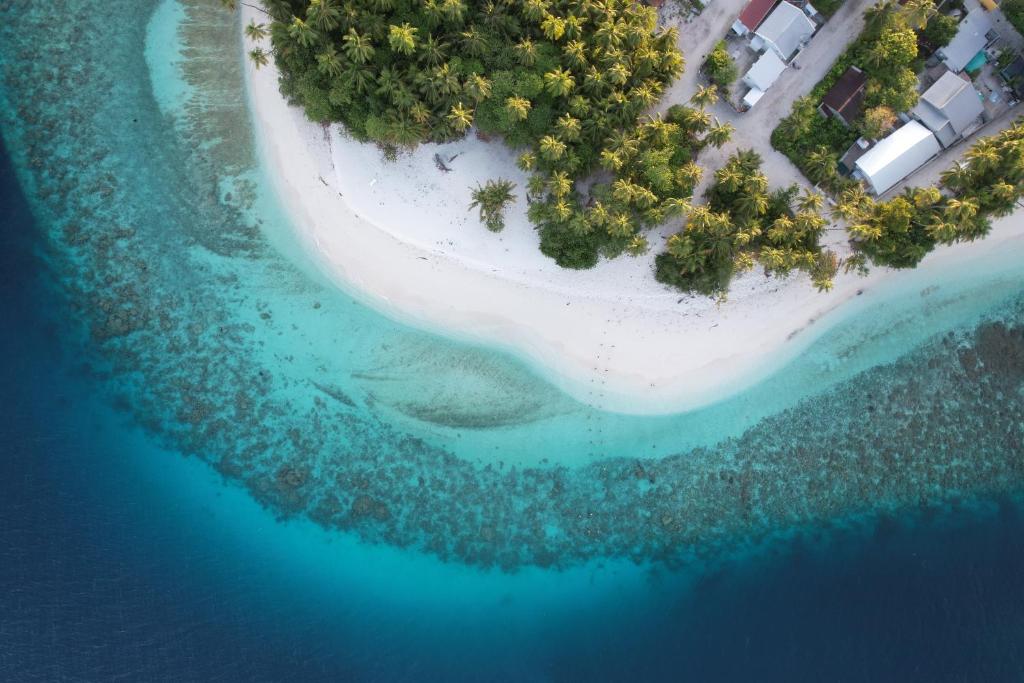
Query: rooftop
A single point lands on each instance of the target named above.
(971, 38)
(755, 12)
(847, 94)
(897, 156)
(785, 29)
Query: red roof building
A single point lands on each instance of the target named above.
(752, 15)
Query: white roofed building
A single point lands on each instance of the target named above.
(896, 156)
(784, 31)
(949, 108)
(973, 34)
(765, 71)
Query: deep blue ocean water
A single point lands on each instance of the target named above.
(124, 557)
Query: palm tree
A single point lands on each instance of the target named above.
(328, 62)
(324, 15)
(821, 165)
(553, 27)
(568, 127)
(474, 42)
(518, 107)
(357, 47)
(810, 201)
(526, 52)
(491, 199)
(576, 53)
(402, 39)
(460, 117)
(719, 134)
(259, 57)
(559, 82)
(534, 10)
(559, 184)
(705, 95)
(551, 148)
(477, 87)
(527, 161)
(256, 32)
(302, 33)
(917, 13)
(454, 10)
(433, 51)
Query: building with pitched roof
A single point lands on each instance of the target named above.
(896, 156)
(752, 16)
(765, 71)
(974, 33)
(844, 99)
(949, 108)
(784, 31)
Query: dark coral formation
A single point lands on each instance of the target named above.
(156, 264)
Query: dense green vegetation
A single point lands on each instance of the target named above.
(1014, 12)
(491, 199)
(887, 52)
(939, 30)
(900, 231)
(742, 225)
(567, 81)
(720, 67)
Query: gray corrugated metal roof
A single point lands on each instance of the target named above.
(785, 29)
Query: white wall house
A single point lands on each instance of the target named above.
(896, 156)
(784, 31)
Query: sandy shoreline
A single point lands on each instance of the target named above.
(399, 236)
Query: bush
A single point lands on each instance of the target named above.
(939, 31)
(720, 67)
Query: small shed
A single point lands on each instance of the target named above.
(896, 156)
(973, 35)
(765, 71)
(844, 99)
(784, 31)
(949, 108)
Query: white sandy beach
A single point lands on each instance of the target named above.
(399, 235)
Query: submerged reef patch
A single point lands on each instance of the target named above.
(222, 347)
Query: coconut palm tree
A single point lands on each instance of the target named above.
(706, 95)
(559, 82)
(402, 39)
(526, 52)
(719, 134)
(917, 13)
(324, 15)
(491, 199)
(517, 107)
(256, 32)
(259, 57)
(552, 27)
(432, 51)
(810, 201)
(329, 63)
(477, 87)
(460, 117)
(302, 33)
(357, 47)
(551, 148)
(568, 127)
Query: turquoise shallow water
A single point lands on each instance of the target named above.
(194, 315)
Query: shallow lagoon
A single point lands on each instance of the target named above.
(162, 272)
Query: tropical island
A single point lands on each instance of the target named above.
(573, 126)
